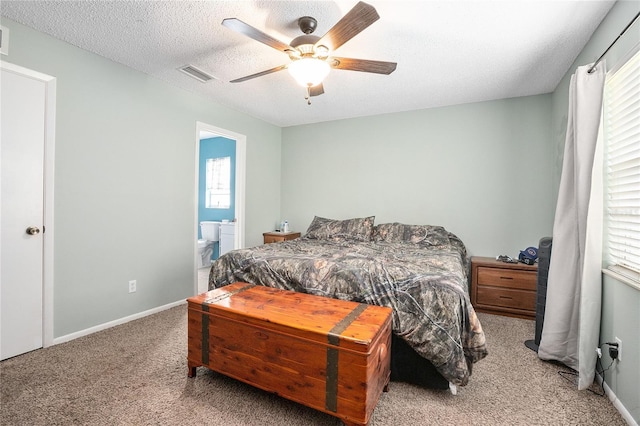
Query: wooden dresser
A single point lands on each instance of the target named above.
(503, 288)
(276, 237)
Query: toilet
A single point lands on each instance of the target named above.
(210, 236)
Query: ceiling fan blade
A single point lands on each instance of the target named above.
(254, 33)
(316, 90)
(364, 65)
(357, 19)
(259, 74)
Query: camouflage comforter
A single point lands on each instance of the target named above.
(426, 286)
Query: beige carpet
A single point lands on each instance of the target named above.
(136, 374)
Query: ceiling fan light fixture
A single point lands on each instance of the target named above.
(309, 72)
(310, 54)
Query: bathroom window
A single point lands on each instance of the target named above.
(218, 195)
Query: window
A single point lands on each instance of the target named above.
(218, 191)
(622, 139)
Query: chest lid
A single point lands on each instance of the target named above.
(349, 325)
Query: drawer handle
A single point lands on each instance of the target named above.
(506, 278)
(506, 297)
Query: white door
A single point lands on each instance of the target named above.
(21, 213)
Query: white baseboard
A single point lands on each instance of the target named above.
(86, 332)
(626, 415)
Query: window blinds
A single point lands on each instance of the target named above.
(218, 191)
(622, 137)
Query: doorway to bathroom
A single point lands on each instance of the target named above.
(220, 185)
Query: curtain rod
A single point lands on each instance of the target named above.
(614, 42)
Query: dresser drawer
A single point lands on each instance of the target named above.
(277, 237)
(268, 239)
(507, 298)
(509, 278)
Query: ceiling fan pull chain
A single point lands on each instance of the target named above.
(308, 97)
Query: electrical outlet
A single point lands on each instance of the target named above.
(132, 286)
(619, 342)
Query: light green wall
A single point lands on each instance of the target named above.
(621, 303)
(125, 181)
(621, 318)
(481, 170)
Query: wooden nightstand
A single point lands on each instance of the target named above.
(503, 288)
(276, 237)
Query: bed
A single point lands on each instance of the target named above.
(420, 271)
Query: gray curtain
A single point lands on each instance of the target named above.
(574, 287)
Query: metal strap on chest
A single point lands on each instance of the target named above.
(333, 337)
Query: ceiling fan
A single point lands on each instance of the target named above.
(311, 56)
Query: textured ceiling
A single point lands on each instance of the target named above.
(448, 52)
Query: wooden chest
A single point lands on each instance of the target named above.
(330, 355)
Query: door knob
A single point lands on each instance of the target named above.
(33, 230)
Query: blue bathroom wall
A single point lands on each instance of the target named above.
(215, 148)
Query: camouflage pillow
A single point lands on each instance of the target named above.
(359, 229)
(425, 235)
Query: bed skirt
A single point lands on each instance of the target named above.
(408, 366)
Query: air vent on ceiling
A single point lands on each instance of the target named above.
(196, 73)
(4, 40)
